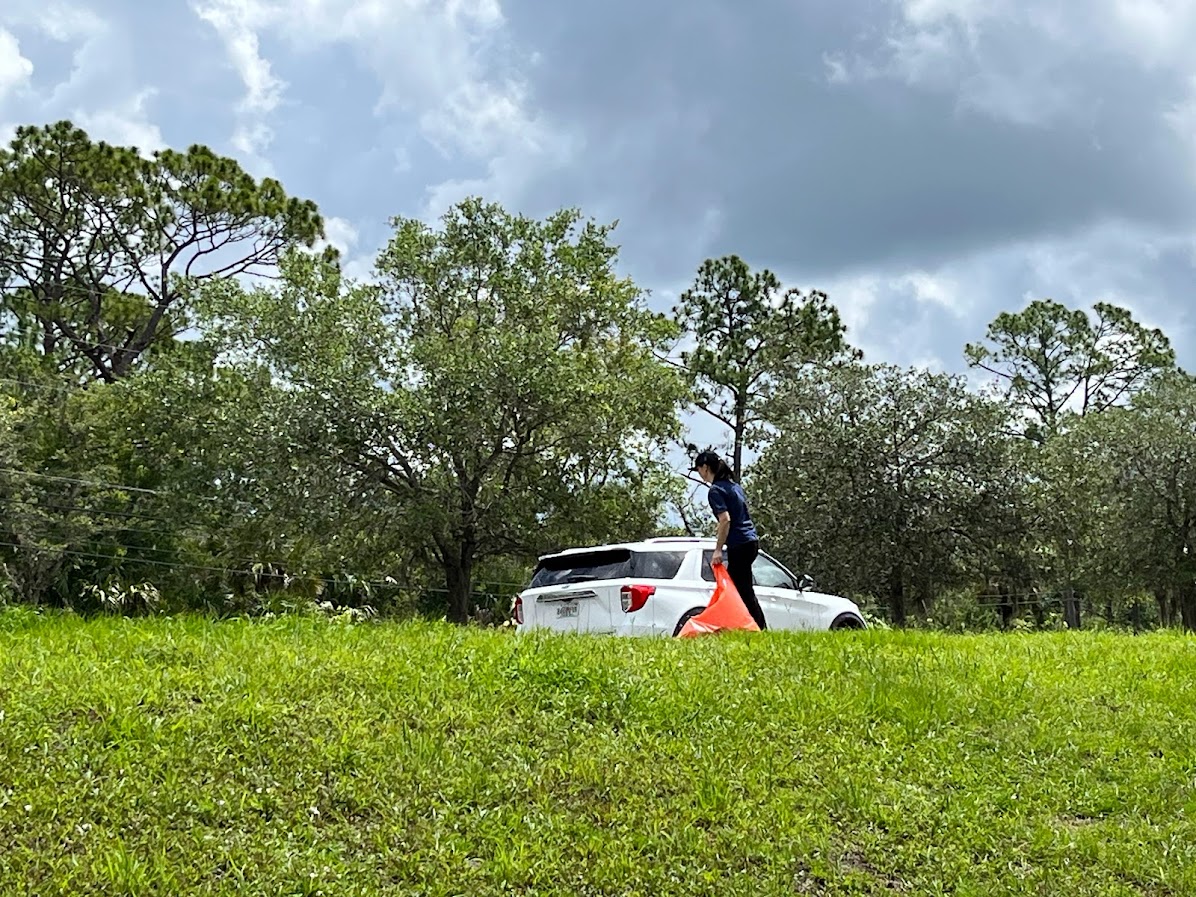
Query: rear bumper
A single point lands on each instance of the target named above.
(639, 624)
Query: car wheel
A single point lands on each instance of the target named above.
(847, 621)
(685, 618)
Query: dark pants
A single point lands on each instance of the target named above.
(739, 566)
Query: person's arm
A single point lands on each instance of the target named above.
(718, 504)
(720, 538)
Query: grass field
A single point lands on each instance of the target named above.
(181, 757)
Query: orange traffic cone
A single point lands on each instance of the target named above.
(726, 609)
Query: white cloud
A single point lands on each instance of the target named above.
(855, 298)
(98, 94)
(343, 236)
(124, 124)
(428, 58)
(443, 65)
(954, 303)
(934, 289)
(479, 119)
(1181, 116)
(1158, 32)
(507, 174)
(235, 22)
(837, 71)
(1011, 61)
(340, 234)
(15, 69)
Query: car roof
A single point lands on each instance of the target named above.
(663, 543)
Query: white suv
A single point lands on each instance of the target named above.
(654, 587)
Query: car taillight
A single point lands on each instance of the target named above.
(517, 613)
(635, 597)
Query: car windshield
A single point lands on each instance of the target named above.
(610, 563)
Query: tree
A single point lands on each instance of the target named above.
(1055, 361)
(1147, 456)
(747, 333)
(884, 481)
(500, 381)
(252, 501)
(1067, 489)
(101, 249)
(101, 254)
(53, 478)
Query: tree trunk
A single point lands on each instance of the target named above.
(1187, 605)
(1164, 602)
(740, 426)
(1007, 607)
(458, 578)
(897, 596)
(459, 551)
(1071, 607)
(925, 596)
(1136, 616)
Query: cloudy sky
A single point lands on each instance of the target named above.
(928, 163)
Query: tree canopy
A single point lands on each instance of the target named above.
(1054, 361)
(884, 481)
(101, 248)
(199, 409)
(499, 380)
(748, 333)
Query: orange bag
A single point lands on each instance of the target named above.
(726, 609)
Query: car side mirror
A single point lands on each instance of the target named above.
(805, 583)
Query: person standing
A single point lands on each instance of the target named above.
(736, 532)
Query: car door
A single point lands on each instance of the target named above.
(777, 610)
(783, 603)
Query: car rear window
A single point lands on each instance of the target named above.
(611, 563)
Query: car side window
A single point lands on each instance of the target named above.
(765, 572)
(657, 564)
(769, 575)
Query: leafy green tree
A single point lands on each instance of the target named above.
(1145, 459)
(1067, 490)
(101, 253)
(884, 481)
(1055, 361)
(747, 333)
(52, 479)
(500, 380)
(101, 249)
(253, 504)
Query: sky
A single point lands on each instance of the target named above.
(926, 163)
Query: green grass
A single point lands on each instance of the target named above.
(181, 757)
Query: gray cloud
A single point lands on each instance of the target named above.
(927, 162)
(1003, 151)
(718, 110)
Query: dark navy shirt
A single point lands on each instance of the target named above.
(726, 495)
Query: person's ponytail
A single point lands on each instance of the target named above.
(724, 471)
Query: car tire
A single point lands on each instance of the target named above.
(847, 621)
(685, 618)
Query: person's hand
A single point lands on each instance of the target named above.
(717, 559)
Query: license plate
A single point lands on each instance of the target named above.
(567, 610)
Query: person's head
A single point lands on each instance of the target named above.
(711, 467)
